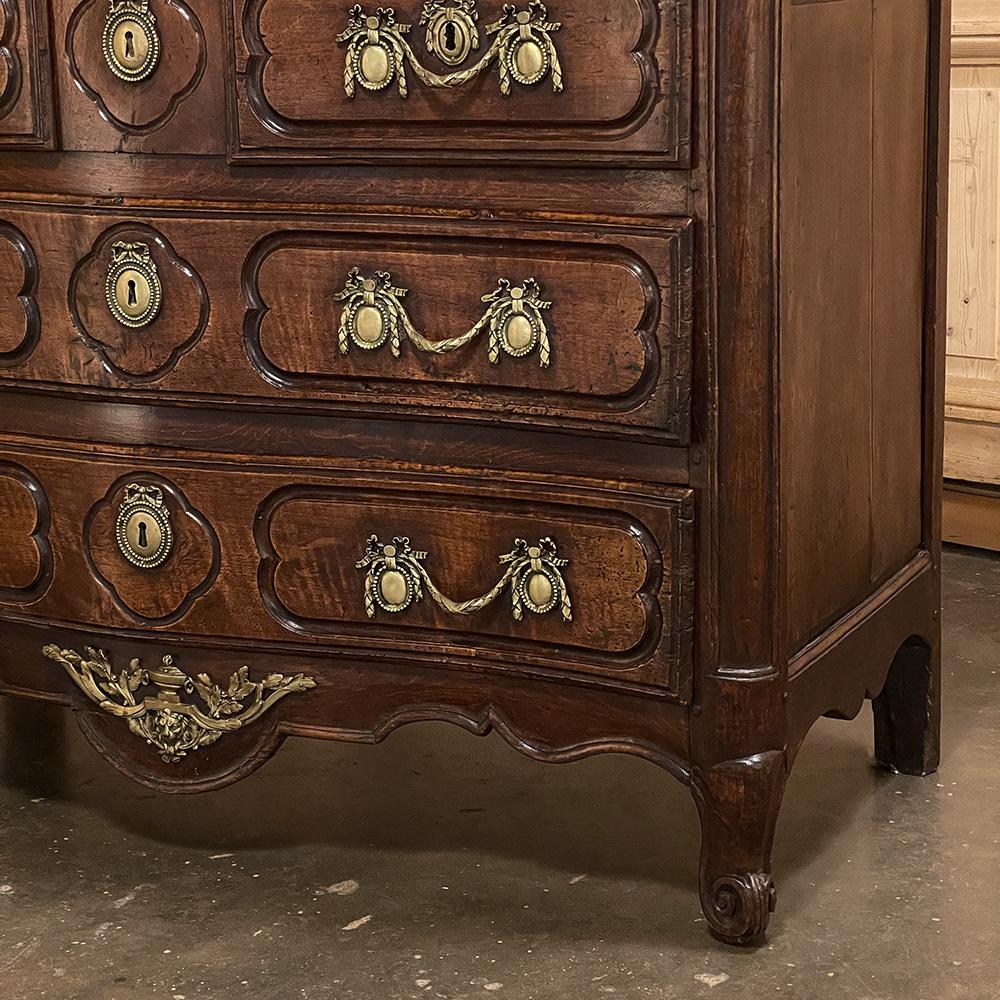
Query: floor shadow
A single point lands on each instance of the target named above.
(431, 788)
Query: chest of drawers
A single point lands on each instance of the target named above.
(571, 373)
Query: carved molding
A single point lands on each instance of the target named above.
(39, 537)
(183, 15)
(94, 268)
(518, 730)
(664, 334)
(849, 663)
(187, 523)
(492, 719)
(9, 57)
(655, 660)
(32, 319)
(665, 24)
(26, 106)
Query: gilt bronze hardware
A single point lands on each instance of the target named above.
(522, 46)
(131, 41)
(374, 315)
(161, 718)
(142, 527)
(133, 288)
(451, 29)
(396, 578)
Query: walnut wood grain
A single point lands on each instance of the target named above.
(738, 213)
(626, 99)
(621, 319)
(179, 108)
(20, 321)
(271, 555)
(25, 76)
(25, 517)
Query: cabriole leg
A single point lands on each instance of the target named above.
(739, 801)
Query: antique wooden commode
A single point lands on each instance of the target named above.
(571, 372)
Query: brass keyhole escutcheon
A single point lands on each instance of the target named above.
(134, 292)
(130, 44)
(144, 535)
(142, 528)
(131, 40)
(451, 29)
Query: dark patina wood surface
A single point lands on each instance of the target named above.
(737, 212)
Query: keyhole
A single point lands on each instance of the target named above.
(129, 45)
(143, 541)
(450, 36)
(132, 300)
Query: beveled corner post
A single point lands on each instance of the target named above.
(737, 780)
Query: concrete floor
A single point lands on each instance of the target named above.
(440, 866)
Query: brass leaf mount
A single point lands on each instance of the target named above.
(374, 315)
(161, 716)
(521, 46)
(395, 579)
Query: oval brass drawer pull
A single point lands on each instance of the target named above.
(133, 288)
(131, 40)
(161, 717)
(522, 46)
(396, 578)
(374, 315)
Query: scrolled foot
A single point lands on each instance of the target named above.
(739, 907)
(738, 801)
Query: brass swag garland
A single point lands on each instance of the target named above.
(172, 726)
(396, 579)
(377, 49)
(374, 314)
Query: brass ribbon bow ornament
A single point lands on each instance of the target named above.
(396, 579)
(374, 314)
(378, 51)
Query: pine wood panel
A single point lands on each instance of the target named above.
(972, 434)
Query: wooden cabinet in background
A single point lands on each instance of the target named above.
(972, 429)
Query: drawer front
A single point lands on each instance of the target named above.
(524, 326)
(25, 75)
(523, 577)
(573, 81)
(163, 91)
